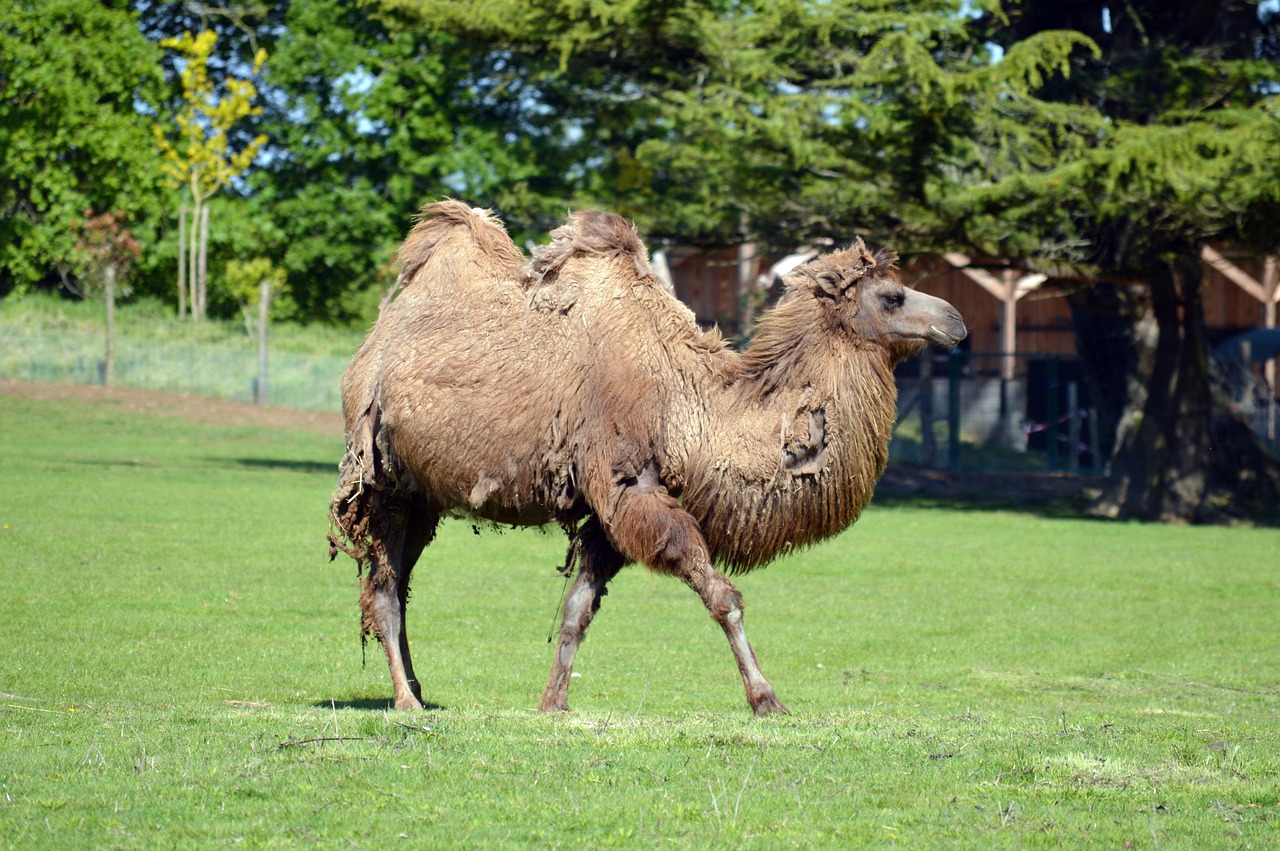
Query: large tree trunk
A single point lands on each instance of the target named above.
(1182, 451)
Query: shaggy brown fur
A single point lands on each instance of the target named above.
(574, 387)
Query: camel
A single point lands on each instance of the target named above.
(572, 388)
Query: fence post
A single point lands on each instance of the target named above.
(1098, 465)
(260, 394)
(1073, 428)
(953, 410)
(928, 445)
(1051, 410)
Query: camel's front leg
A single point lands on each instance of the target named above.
(600, 562)
(650, 525)
(724, 602)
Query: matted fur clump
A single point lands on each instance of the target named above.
(572, 388)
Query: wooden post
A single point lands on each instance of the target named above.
(953, 410)
(1009, 333)
(1094, 441)
(1009, 288)
(928, 445)
(264, 315)
(1271, 288)
(109, 295)
(1073, 427)
(747, 263)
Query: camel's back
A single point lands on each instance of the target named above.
(520, 392)
(454, 251)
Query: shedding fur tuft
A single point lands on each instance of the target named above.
(592, 233)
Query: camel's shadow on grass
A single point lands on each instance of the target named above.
(284, 464)
(370, 705)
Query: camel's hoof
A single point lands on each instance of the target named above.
(769, 705)
(408, 702)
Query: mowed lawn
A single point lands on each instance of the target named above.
(182, 667)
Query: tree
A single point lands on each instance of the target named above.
(370, 116)
(1087, 153)
(1179, 149)
(202, 161)
(777, 121)
(73, 75)
(104, 252)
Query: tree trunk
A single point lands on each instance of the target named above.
(193, 255)
(203, 288)
(109, 295)
(182, 262)
(264, 316)
(1181, 452)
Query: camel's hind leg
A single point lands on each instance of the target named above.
(599, 562)
(420, 531)
(650, 525)
(398, 535)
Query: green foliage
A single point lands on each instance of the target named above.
(73, 76)
(1169, 143)
(201, 682)
(244, 278)
(779, 121)
(365, 120)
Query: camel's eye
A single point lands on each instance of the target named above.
(893, 300)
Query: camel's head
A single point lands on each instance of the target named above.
(860, 296)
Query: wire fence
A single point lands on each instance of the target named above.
(992, 411)
(995, 411)
(221, 370)
(957, 410)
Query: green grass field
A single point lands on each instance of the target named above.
(182, 668)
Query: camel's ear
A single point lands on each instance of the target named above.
(832, 283)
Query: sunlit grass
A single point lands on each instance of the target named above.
(183, 669)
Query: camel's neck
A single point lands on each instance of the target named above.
(796, 455)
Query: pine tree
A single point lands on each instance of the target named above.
(1178, 148)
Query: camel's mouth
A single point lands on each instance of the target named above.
(945, 338)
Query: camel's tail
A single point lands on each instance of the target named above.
(452, 232)
(592, 233)
(369, 486)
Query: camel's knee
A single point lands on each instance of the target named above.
(651, 526)
(722, 599)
